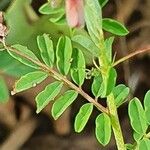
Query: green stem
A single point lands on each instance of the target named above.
(115, 122)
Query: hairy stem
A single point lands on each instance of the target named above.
(53, 73)
(115, 122)
(105, 65)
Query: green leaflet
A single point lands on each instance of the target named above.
(63, 54)
(83, 116)
(86, 43)
(62, 103)
(103, 129)
(114, 27)
(109, 82)
(92, 12)
(97, 86)
(47, 95)
(137, 116)
(78, 67)
(108, 45)
(4, 94)
(120, 93)
(45, 45)
(147, 106)
(46, 9)
(103, 2)
(144, 144)
(129, 146)
(137, 136)
(24, 51)
(29, 80)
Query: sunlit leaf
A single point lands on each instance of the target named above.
(97, 86)
(47, 95)
(114, 27)
(137, 116)
(29, 80)
(25, 53)
(63, 54)
(83, 117)
(110, 81)
(86, 43)
(137, 136)
(45, 45)
(78, 67)
(93, 19)
(147, 106)
(62, 103)
(120, 93)
(144, 144)
(103, 129)
(108, 44)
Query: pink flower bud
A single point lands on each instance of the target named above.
(75, 13)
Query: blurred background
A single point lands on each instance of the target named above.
(20, 127)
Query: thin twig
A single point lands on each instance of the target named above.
(59, 76)
(131, 55)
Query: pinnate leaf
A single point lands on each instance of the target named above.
(45, 45)
(47, 95)
(83, 117)
(29, 80)
(63, 102)
(103, 129)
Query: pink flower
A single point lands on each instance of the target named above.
(75, 13)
